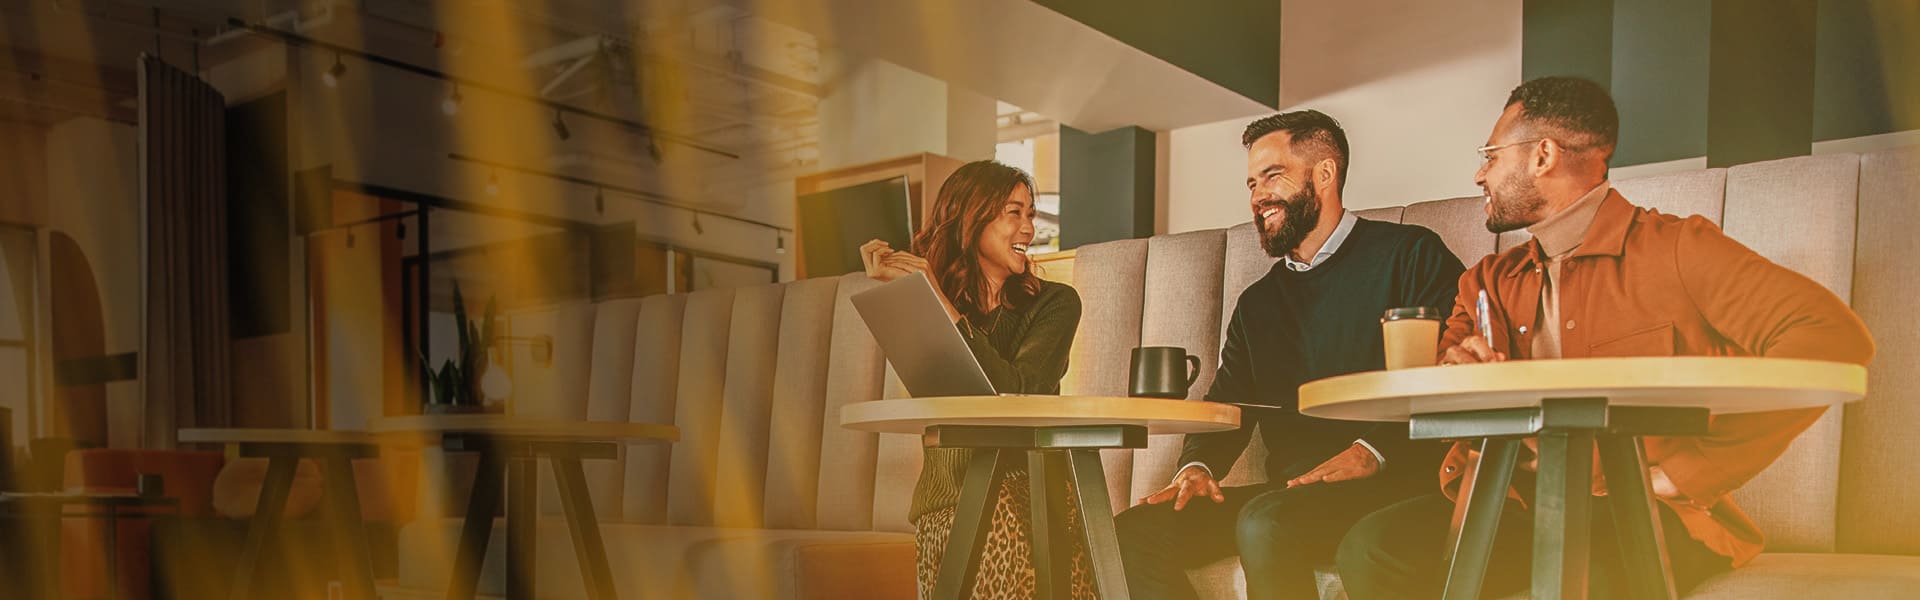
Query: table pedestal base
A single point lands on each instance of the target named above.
(342, 496)
(1569, 429)
(1074, 449)
(519, 460)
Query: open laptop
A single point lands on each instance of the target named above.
(925, 347)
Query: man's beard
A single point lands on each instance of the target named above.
(1302, 213)
(1517, 204)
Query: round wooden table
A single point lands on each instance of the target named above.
(510, 448)
(1572, 406)
(999, 429)
(283, 449)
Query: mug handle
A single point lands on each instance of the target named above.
(1193, 370)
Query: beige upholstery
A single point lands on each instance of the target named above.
(855, 373)
(1461, 223)
(656, 375)
(1880, 444)
(1390, 214)
(799, 405)
(1110, 305)
(741, 477)
(1817, 576)
(1799, 213)
(766, 496)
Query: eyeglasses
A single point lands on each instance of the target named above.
(1486, 152)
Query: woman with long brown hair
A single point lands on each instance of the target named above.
(974, 249)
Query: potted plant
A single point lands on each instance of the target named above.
(455, 386)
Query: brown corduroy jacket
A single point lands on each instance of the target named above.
(1646, 284)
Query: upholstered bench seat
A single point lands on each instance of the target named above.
(666, 561)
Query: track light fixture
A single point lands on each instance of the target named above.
(600, 201)
(560, 127)
(335, 72)
(493, 183)
(451, 105)
(696, 225)
(779, 243)
(653, 149)
(349, 239)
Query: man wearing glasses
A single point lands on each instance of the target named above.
(1603, 277)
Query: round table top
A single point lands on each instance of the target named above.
(530, 428)
(1158, 415)
(266, 435)
(1724, 385)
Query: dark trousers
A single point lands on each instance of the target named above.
(1399, 552)
(1280, 534)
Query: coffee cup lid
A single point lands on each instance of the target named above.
(1412, 312)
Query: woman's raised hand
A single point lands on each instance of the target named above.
(881, 262)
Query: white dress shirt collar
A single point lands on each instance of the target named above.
(1347, 219)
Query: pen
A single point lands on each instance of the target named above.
(1486, 328)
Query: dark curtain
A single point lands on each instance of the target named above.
(183, 199)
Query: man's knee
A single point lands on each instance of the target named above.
(1362, 550)
(1142, 524)
(1266, 518)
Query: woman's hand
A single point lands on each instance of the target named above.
(874, 256)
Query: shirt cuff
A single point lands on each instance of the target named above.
(1203, 467)
(1376, 452)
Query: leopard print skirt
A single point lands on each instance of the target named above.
(1006, 563)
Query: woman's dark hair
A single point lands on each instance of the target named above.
(971, 199)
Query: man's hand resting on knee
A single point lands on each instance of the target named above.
(1355, 463)
(1192, 481)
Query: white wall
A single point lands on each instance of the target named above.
(1416, 85)
(93, 192)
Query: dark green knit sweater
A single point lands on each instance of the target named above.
(1023, 352)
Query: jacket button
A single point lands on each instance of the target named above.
(1450, 468)
(1569, 323)
(1523, 330)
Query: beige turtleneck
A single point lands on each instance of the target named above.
(1559, 235)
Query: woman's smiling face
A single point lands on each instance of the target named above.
(1002, 247)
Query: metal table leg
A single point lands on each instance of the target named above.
(1045, 576)
(476, 528)
(349, 530)
(522, 511)
(1484, 502)
(1636, 519)
(971, 518)
(1096, 514)
(1562, 515)
(588, 547)
(266, 516)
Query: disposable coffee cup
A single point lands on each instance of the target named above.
(1411, 336)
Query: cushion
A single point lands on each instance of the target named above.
(1799, 213)
(703, 379)
(741, 483)
(664, 561)
(855, 373)
(1461, 223)
(655, 385)
(1878, 489)
(799, 404)
(1775, 575)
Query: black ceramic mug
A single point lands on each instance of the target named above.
(1163, 372)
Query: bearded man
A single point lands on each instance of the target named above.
(1316, 314)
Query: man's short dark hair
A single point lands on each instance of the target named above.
(1313, 133)
(1578, 108)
